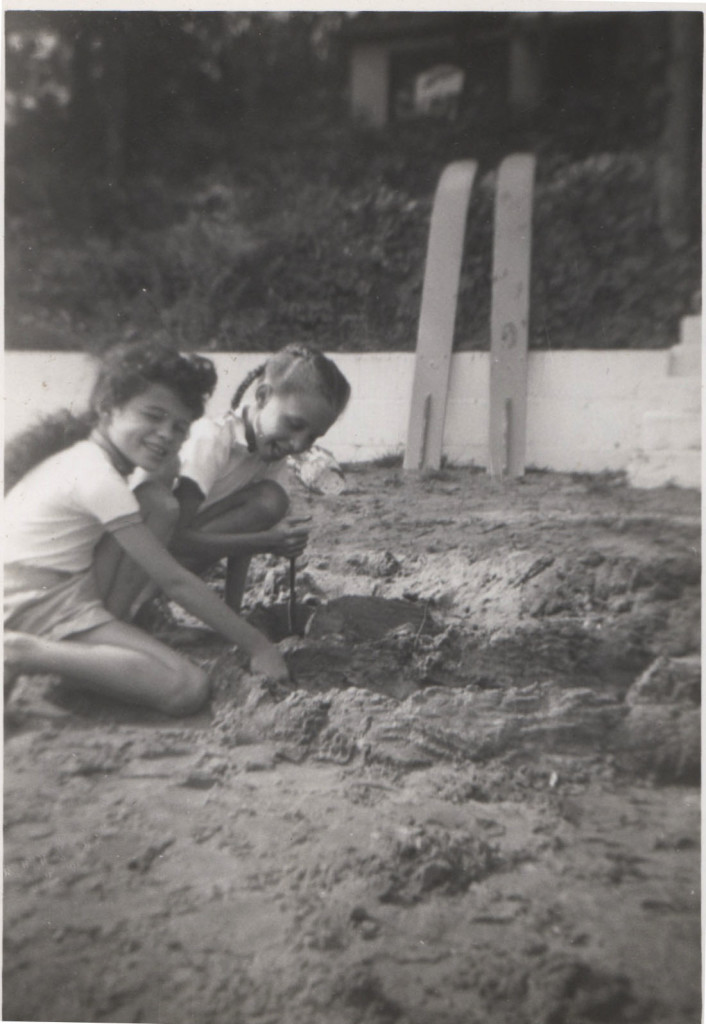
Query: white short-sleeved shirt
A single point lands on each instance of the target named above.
(57, 513)
(216, 457)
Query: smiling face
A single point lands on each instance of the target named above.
(288, 423)
(149, 428)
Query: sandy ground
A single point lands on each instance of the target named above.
(477, 802)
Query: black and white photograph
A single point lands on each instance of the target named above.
(352, 517)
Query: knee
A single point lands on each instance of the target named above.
(188, 692)
(273, 502)
(159, 507)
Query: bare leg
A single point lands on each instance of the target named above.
(117, 660)
(236, 578)
(257, 507)
(120, 581)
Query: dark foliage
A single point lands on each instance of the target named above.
(241, 208)
(48, 436)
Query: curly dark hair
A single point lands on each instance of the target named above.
(124, 372)
(128, 370)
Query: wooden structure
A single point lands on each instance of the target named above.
(509, 317)
(438, 316)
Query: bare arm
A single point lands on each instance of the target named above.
(196, 597)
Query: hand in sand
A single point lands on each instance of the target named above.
(270, 663)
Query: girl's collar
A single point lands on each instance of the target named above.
(249, 431)
(119, 461)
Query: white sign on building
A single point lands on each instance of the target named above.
(436, 90)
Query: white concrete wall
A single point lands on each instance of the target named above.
(670, 447)
(586, 409)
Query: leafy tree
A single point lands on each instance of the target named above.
(102, 97)
(198, 173)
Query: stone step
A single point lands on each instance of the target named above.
(678, 394)
(674, 431)
(685, 358)
(669, 466)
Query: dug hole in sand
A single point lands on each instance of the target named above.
(477, 802)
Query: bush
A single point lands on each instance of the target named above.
(602, 275)
(325, 240)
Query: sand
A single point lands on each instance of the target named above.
(477, 802)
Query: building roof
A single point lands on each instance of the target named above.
(478, 26)
(391, 26)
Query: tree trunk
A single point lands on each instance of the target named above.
(115, 105)
(681, 130)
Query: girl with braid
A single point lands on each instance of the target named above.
(233, 471)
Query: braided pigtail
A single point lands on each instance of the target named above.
(237, 398)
